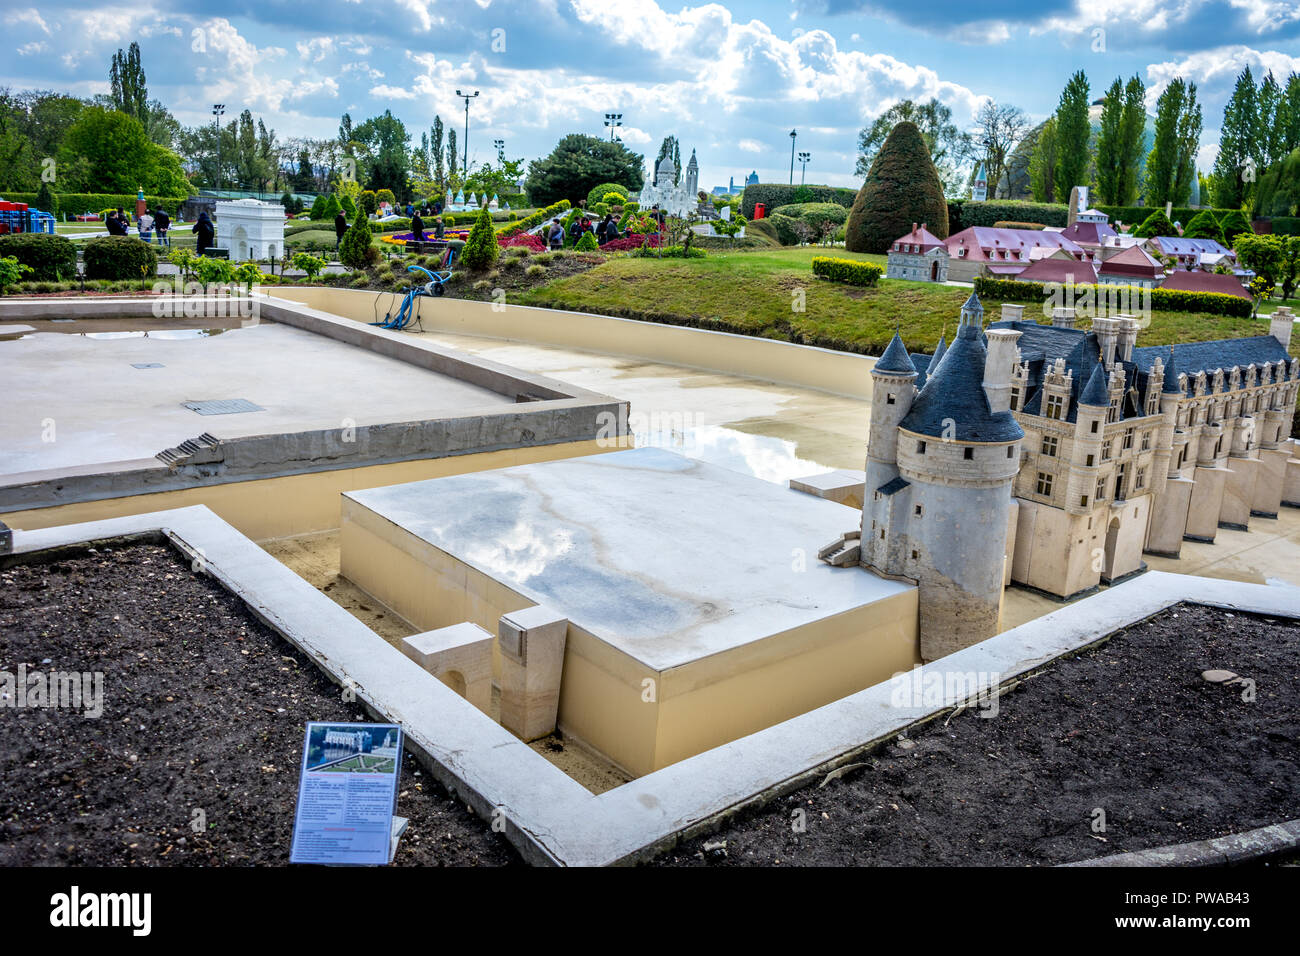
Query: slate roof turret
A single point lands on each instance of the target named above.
(895, 361)
(953, 403)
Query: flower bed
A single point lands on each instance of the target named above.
(631, 242)
(401, 238)
(527, 240)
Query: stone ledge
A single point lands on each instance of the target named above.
(1219, 851)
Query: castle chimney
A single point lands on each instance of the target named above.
(1012, 313)
(914, 229)
(1282, 324)
(1128, 335)
(1063, 317)
(998, 363)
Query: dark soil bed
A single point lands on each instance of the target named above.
(1129, 728)
(204, 710)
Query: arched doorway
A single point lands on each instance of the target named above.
(934, 271)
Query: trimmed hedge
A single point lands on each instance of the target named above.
(1166, 300)
(119, 257)
(74, 204)
(51, 257)
(536, 219)
(1038, 226)
(1130, 215)
(962, 214)
(1286, 225)
(850, 271)
(780, 194)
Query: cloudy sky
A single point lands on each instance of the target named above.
(729, 79)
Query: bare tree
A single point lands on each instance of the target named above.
(998, 129)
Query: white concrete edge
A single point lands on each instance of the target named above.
(553, 819)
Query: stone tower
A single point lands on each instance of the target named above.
(941, 462)
(692, 176)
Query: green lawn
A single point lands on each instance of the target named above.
(757, 293)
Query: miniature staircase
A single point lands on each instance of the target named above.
(843, 552)
(187, 449)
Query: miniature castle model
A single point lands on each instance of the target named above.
(941, 459)
(1054, 456)
(919, 255)
(250, 229)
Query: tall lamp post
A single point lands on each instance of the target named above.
(466, 97)
(218, 110)
(793, 133)
(804, 157)
(613, 121)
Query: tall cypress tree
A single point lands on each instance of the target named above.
(1268, 135)
(1110, 171)
(1236, 143)
(439, 171)
(1072, 132)
(127, 87)
(1289, 121)
(1132, 125)
(1189, 142)
(1176, 115)
(1042, 163)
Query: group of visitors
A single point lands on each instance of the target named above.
(146, 225)
(417, 227)
(605, 231)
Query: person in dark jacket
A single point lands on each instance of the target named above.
(611, 229)
(114, 225)
(417, 228)
(340, 228)
(555, 237)
(162, 223)
(439, 230)
(205, 232)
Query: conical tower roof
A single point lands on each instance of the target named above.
(895, 360)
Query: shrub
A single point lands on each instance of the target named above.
(213, 271)
(1204, 226)
(587, 243)
(816, 214)
(962, 214)
(850, 271)
(51, 258)
(11, 270)
(783, 228)
(1011, 224)
(312, 265)
(482, 285)
(385, 195)
(46, 201)
(601, 192)
(1156, 224)
(1234, 224)
(318, 208)
(535, 271)
(331, 208)
(1166, 300)
(355, 250)
(902, 187)
(780, 194)
(481, 249)
(360, 282)
(119, 257)
(76, 203)
(671, 252)
(1286, 225)
(369, 202)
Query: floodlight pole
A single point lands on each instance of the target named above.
(804, 157)
(465, 163)
(218, 110)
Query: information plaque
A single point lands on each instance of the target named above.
(347, 795)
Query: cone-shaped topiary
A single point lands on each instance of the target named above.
(902, 188)
(354, 250)
(586, 243)
(481, 249)
(1156, 224)
(1234, 224)
(1204, 226)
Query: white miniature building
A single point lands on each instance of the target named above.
(250, 229)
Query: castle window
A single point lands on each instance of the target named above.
(1101, 489)
(1128, 440)
(1011, 452)
(1090, 457)
(1015, 398)
(1140, 480)
(920, 448)
(889, 398)
(915, 555)
(917, 511)
(1044, 484)
(1105, 451)
(1054, 406)
(1094, 428)
(968, 454)
(1049, 446)
(882, 534)
(1112, 411)
(1146, 441)
(1083, 501)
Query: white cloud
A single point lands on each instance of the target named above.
(36, 46)
(316, 49)
(1215, 71)
(30, 15)
(750, 146)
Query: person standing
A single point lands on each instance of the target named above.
(439, 231)
(205, 232)
(555, 239)
(340, 229)
(144, 225)
(417, 228)
(162, 222)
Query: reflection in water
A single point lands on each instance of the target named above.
(763, 456)
(155, 334)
